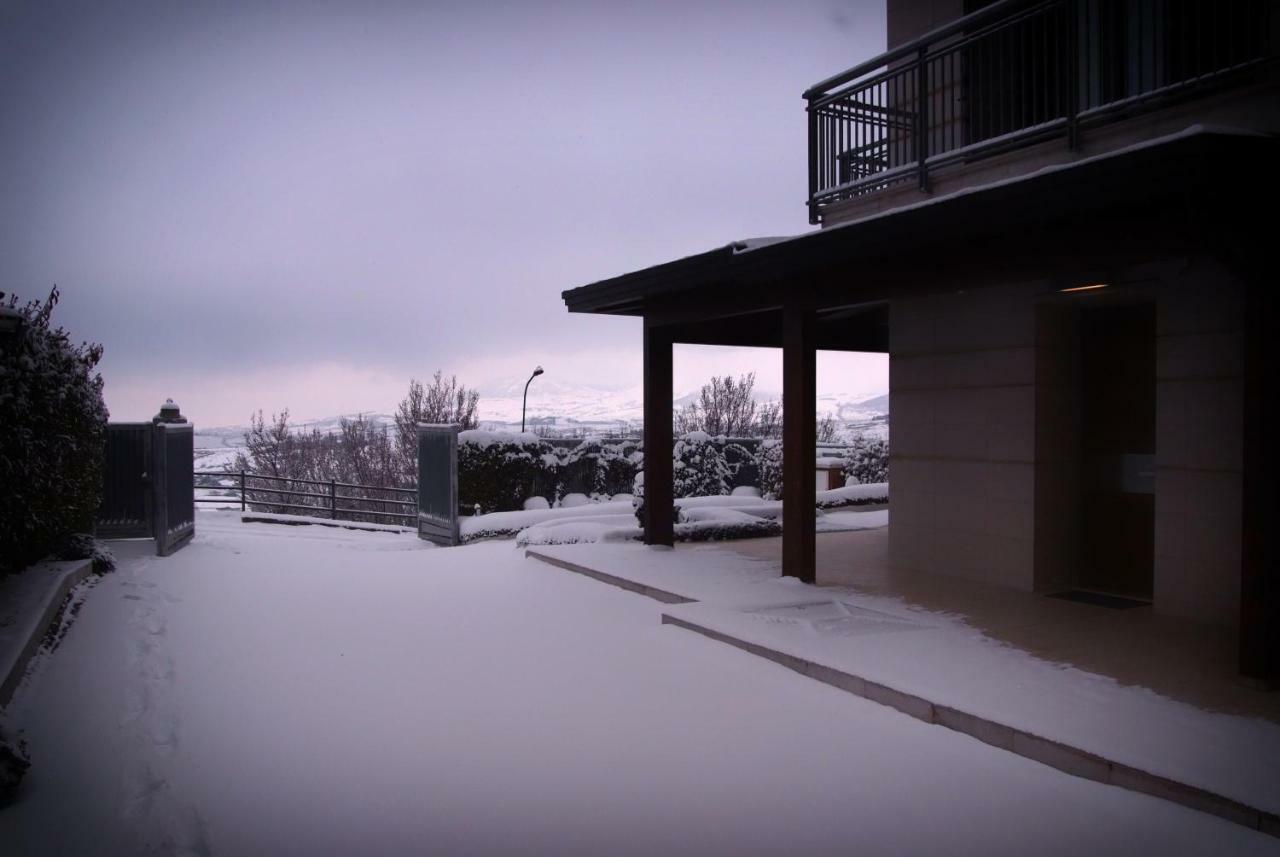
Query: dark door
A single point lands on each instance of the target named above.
(1118, 420)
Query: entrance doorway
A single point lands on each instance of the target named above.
(1118, 444)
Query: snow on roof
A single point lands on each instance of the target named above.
(746, 245)
(751, 244)
(1189, 131)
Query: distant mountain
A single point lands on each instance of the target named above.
(879, 405)
(570, 408)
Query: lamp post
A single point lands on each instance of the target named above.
(525, 403)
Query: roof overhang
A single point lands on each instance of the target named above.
(1199, 176)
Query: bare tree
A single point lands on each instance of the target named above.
(827, 429)
(768, 421)
(442, 402)
(724, 407)
(268, 447)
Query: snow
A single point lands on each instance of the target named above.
(745, 491)
(485, 439)
(850, 519)
(733, 500)
(748, 244)
(581, 520)
(340, 523)
(510, 523)
(534, 504)
(942, 659)
(593, 529)
(218, 459)
(877, 491)
(271, 690)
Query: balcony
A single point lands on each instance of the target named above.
(1018, 73)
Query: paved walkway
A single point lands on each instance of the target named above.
(271, 690)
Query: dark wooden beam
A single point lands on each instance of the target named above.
(867, 331)
(799, 439)
(659, 485)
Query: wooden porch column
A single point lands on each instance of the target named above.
(1259, 577)
(799, 440)
(659, 484)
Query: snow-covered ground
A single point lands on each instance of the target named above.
(744, 514)
(273, 690)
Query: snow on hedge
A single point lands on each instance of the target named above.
(484, 439)
(506, 524)
(854, 495)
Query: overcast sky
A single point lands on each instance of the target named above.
(262, 205)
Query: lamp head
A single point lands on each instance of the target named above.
(537, 371)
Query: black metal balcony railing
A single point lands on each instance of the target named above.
(1014, 73)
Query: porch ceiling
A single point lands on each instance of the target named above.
(1173, 195)
(861, 328)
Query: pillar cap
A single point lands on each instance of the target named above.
(169, 413)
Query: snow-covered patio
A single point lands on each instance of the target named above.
(299, 690)
(1123, 697)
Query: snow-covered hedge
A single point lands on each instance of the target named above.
(700, 466)
(596, 467)
(874, 493)
(502, 471)
(498, 471)
(52, 433)
(506, 524)
(866, 461)
(769, 462)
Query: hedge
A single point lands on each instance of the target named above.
(52, 435)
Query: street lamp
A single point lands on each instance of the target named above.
(525, 404)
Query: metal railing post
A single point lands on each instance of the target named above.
(922, 116)
(813, 162)
(1072, 34)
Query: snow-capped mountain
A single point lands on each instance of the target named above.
(569, 408)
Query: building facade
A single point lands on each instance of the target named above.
(1055, 217)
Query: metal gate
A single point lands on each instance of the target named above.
(148, 482)
(125, 511)
(438, 483)
(174, 505)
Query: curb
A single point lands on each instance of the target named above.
(12, 671)
(621, 582)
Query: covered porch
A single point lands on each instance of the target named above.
(955, 285)
(1125, 697)
(1192, 662)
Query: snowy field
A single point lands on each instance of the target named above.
(281, 690)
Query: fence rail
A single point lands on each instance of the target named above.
(1015, 73)
(264, 493)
